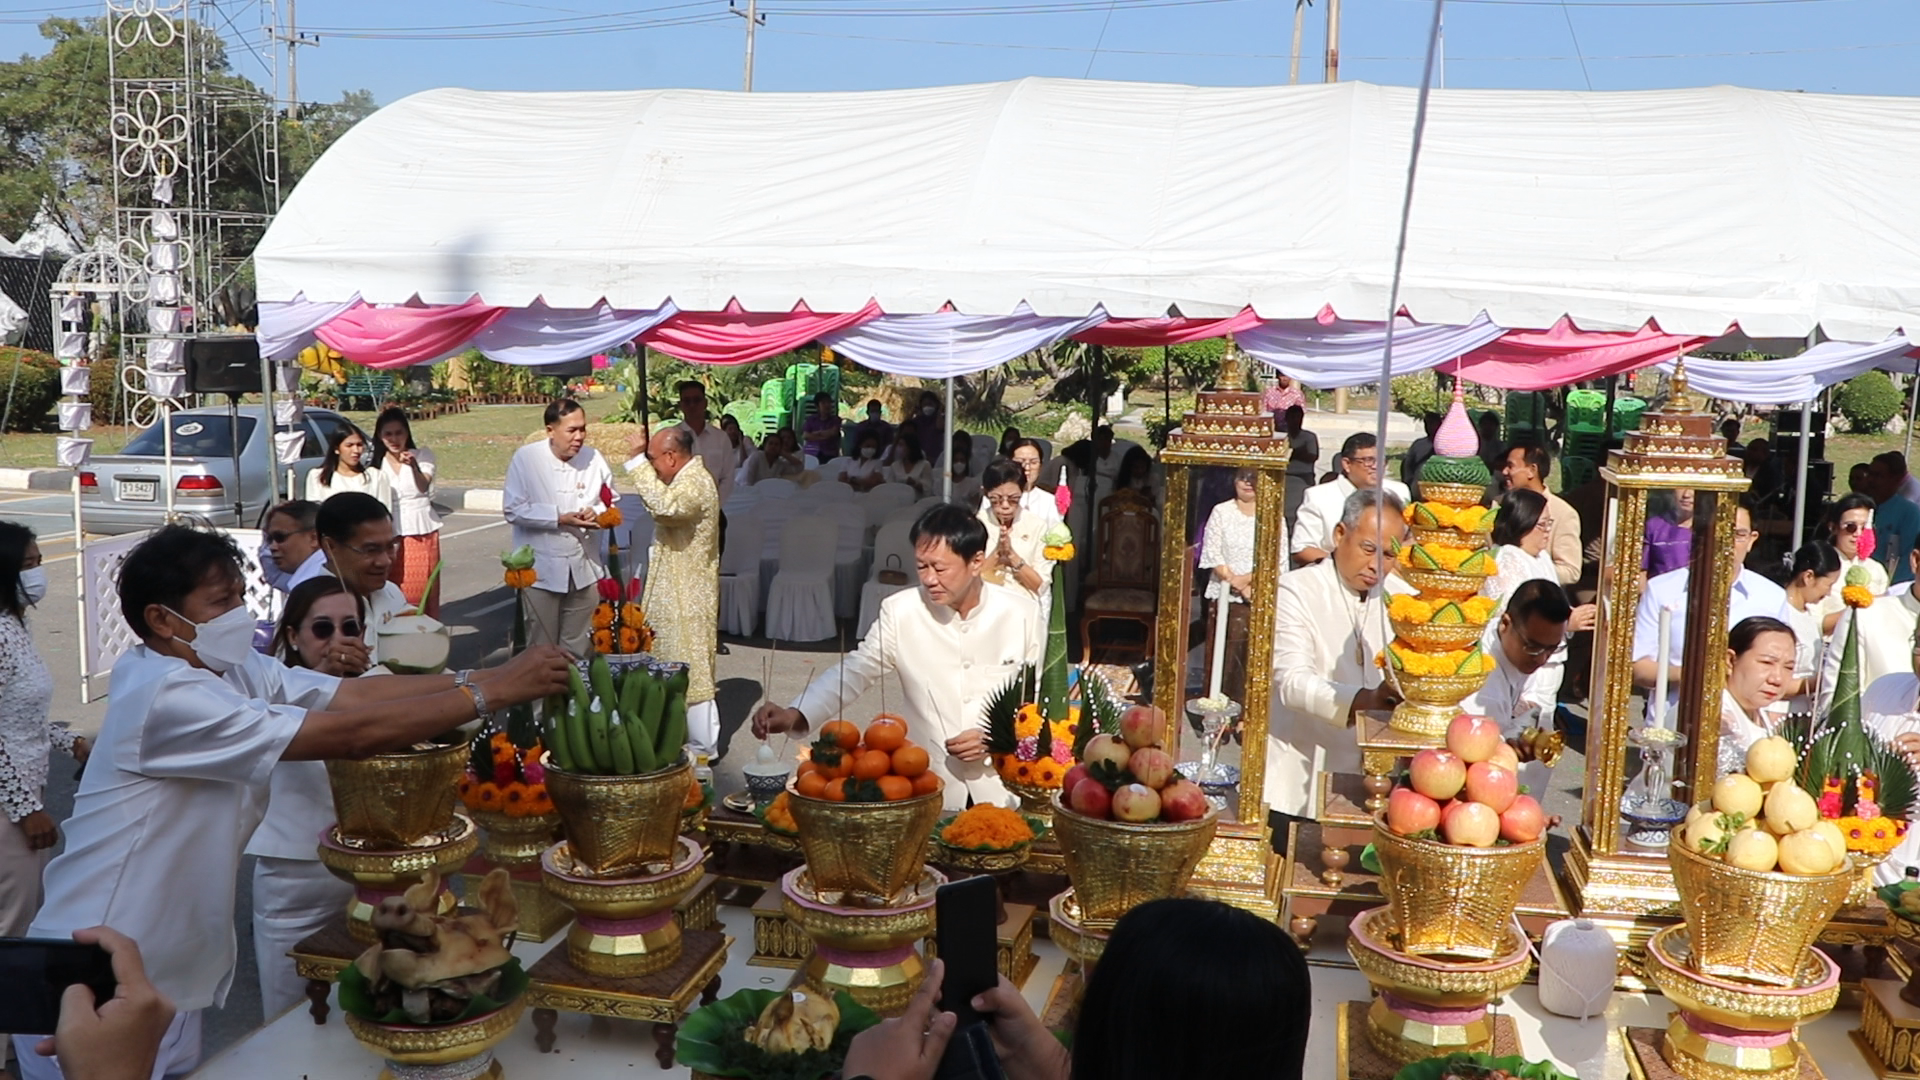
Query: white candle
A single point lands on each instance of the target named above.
(1219, 641)
(1660, 679)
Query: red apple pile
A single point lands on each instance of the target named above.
(1468, 794)
(1130, 777)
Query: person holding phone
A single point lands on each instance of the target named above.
(293, 895)
(115, 1039)
(196, 722)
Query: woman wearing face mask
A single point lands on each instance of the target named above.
(1759, 674)
(908, 466)
(966, 486)
(863, 473)
(27, 739)
(346, 470)
(409, 471)
(293, 895)
(931, 426)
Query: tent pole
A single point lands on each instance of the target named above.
(1913, 400)
(946, 455)
(273, 451)
(1166, 383)
(1800, 489)
(640, 392)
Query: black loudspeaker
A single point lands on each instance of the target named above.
(567, 369)
(223, 364)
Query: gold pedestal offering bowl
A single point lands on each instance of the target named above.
(1452, 901)
(462, 1051)
(515, 841)
(396, 799)
(1116, 866)
(377, 873)
(1431, 701)
(1443, 584)
(1034, 800)
(1733, 1028)
(618, 823)
(870, 852)
(1069, 930)
(1428, 1007)
(1750, 925)
(623, 926)
(1438, 637)
(871, 953)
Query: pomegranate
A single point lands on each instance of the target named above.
(1471, 824)
(1090, 797)
(1135, 803)
(1142, 725)
(1107, 748)
(1490, 784)
(1438, 774)
(1473, 738)
(1183, 800)
(1073, 777)
(1151, 766)
(1522, 821)
(1409, 812)
(1505, 757)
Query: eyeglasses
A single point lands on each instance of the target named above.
(283, 537)
(1004, 500)
(1531, 648)
(323, 628)
(374, 551)
(1744, 534)
(1367, 462)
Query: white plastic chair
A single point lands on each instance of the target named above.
(776, 487)
(892, 550)
(927, 504)
(740, 574)
(800, 601)
(905, 515)
(829, 491)
(985, 449)
(893, 494)
(834, 469)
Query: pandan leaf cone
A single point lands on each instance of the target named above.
(1002, 707)
(522, 729)
(1054, 704)
(1899, 787)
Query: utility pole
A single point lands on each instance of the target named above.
(1299, 16)
(1333, 41)
(754, 20)
(293, 39)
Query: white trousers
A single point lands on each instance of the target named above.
(703, 727)
(292, 898)
(179, 1052)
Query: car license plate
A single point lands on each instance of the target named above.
(138, 490)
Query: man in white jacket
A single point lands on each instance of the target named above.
(1313, 527)
(553, 496)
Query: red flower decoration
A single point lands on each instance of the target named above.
(609, 589)
(504, 773)
(1830, 805)
(633, 590)
(607, 497)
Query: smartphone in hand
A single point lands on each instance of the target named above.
(966, 933)
(35, 972)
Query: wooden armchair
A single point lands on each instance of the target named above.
(1125, 580)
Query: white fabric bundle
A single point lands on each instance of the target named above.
(1578, 961)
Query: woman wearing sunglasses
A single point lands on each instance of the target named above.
(293, 895)
(1850, 530)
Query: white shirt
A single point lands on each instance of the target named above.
(966, 492)
(718, 454)
(1040, 504)
(381, 608)
(861, 468)
(1325, 638)
(1320, 511)
(1750, 595)
(1228, 542)
(1807, 640)
(919, 475)
(413, 513)
(539, 488)
(1887, 708)
(1738, 731)
(1517, 702)
(371, 481)
(948, 667)
(758, 468)
(1886, 639)
(176, 785)
(312, 567)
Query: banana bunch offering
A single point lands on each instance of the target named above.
(619, 725)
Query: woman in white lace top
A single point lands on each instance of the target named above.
(27, 739)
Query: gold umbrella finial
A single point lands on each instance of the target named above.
(1231, 376)
(1679, 398)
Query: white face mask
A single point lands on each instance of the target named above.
(869, 452)
(927, 410)
(223, 643)
(33, 584)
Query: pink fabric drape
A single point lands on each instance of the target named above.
(393, 337)
(1564, 355)
(1141, 333)
(735, 336)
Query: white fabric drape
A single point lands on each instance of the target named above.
(1346, 352)
(946, 343)
(287, 326)
(537, 335)
(1795, 378)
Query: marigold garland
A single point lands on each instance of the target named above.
(1472, 518)
(1419, 664)
(603, 641)
(1856, 596)
(520, 577)
(1875, 836)
(987, 828)
(514, 800)
(1407, 608)
(487, 796)
(1058, 552)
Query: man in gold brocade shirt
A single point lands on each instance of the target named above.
(682, 597)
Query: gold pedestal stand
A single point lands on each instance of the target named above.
(378, 874)
(514, 844)
(1241, 868)
(1889, 1032)
(1732, 1029)
(1427, 1006)
(623, 927)
(747, 856)
(1083, 946)
(462, 1051)
(660, 998)
(777, 941)
(869, 952)
(1354, 1058)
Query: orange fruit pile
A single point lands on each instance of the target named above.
(780, 815)
(878, 765)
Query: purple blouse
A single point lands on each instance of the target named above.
(1668, 546)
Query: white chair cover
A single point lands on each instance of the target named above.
(927, 504)
(800, 600)
(740, 574)
(849, 558)
(893, 494)
(776, 487)
(834, 469)
(829, 491)
(891, 550)
(636, 537)
(985, 449)
(905, 515)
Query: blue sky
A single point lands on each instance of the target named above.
(1846, 46)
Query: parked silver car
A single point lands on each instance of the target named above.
(126, 492)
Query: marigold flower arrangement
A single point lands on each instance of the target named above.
(1474, 611)
(1455, 560)
(987, 828)
(518, 564)
(609, 517)
(1439, 515)
(619, 623)
(1407, 661)
(514, 783)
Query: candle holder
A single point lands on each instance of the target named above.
(1216, 716)
(1648, 806)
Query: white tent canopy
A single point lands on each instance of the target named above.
(1782, 212)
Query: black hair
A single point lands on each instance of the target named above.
(343, 513)
(387, 416)
(558, 408)
(953, 525)
(874, 403)
(683, 386)
(334, 440)
(1538, 598)
(1893, 461)
(726, 419)
(299, 603)
(301, 512)
(1002, 471)
(15, 539)
(168, 565)
(868, 436)
(914, 456)
(1134, 454)
(1356, 442)
(1195, 988)
(1663, 503)
(1846, 504)
(1819, 557)
(1520, 511)
(1294, 414)
(823, 396)
(1533, 450)
(1748, 630)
